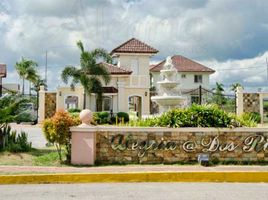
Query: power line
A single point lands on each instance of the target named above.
(228, 69)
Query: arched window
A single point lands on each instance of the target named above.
(71, 102)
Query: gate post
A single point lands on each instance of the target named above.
(239, 101)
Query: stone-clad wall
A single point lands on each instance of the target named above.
(251, 102)
(162, 145)
(50, 104)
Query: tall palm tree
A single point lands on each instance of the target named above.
(26, 70)
(218, 97)
(234, 86)
(90, 74)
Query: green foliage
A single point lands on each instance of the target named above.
(91, 73)
(18, 143)
(74, 110)
(13, 142)
(218, 98)
(49, 158)
(5, 131)
(24, 117)
(123, 115)
(10, 108)
(250, 118)
(195, 116)
(26, 70)
(101, 117)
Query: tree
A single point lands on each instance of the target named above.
(218, 97)
(57, 131)
(234, 86)
(26, 70)
(90, 74)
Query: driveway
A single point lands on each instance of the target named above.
(34, 132)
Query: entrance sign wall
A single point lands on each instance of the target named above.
(109, 145)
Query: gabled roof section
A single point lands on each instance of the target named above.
(113, 69)
(183, 64)
(3, 70)
(134, 46)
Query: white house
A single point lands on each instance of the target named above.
(129, 88)
(191, 75)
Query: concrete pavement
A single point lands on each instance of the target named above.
(34, 132)
(131, 191)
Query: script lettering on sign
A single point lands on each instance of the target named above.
(211, 144)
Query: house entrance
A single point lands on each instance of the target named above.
(134, 105)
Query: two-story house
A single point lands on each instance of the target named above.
(190, 74)
(129, 88)
(131, 80)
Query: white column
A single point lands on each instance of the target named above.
(41, 104)
(121, 103)
(261, 106)
(239, 101)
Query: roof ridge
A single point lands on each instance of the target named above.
(185, 58)
(144, 48)
(123, 44)
(195, 62)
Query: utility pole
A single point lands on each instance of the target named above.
(200, 95)
(46, 70)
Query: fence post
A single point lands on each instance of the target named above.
(239, 101)
(200, 95)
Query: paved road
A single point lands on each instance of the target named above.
(35, 134)
(154, 191)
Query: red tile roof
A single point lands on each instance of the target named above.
(134, 46)
(3, 70)
(113, 69)
(183, 64)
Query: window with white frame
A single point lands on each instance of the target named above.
(198, 78)
(183, 76)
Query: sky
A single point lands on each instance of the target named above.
(229, 36)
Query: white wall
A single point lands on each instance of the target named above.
(125, 61)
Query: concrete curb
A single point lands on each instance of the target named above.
(241, 177)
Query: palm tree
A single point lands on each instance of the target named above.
(90, 74)
(234, 86)
(218, 97)
(26, 70)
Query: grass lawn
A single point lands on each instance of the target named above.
(36, 157)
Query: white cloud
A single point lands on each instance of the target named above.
(222, 33)
(250, 72)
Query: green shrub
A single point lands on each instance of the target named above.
(18, 143)
(57, 131)
(252, 116)
(24, 117)
(74, 110)
(194, 116)
(101, 117)
(123, 115)
(5, 131)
